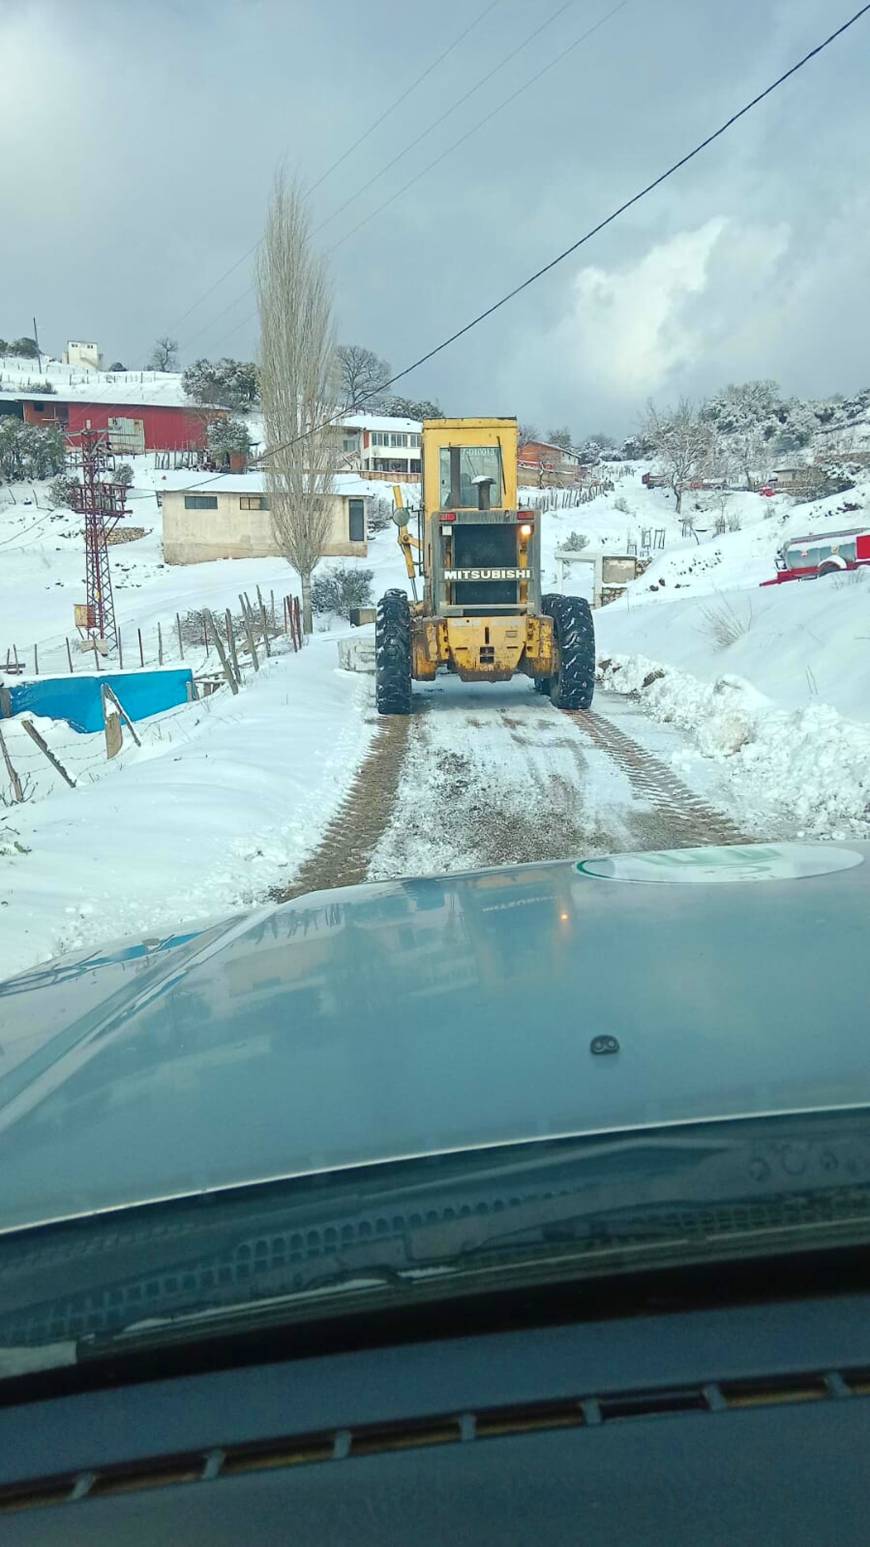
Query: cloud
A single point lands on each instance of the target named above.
(655, 326)
(632, 326)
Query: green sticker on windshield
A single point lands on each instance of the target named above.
(732, 862)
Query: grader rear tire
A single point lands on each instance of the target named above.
(393, 654)
(573, 684)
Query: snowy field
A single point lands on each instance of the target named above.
(766, 711)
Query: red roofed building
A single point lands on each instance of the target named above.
(131, 427)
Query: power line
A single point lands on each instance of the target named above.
(581, 241)
(436, 122)
(405, 94)
(506, 102)
(557, 58)
(375, 124)
(593, 231)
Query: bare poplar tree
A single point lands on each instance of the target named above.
(297, 385)
(684, 443)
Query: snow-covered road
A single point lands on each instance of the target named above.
(484, 776)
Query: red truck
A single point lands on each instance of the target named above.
(822, 553)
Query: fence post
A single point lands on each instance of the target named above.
(251, 646)
(120, 651)
(17, 791)
(36, 660)
(111, 725)
(69, 654)
(274, 623)
(205, 630)
(222, 656)
(231, 645)
(265, 622)
(180, 641)
(107, 690)
(159, 644)
(297, 617)
(34, 735)
(141, 651)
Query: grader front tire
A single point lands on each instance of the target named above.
(573, 685)
(393, 654)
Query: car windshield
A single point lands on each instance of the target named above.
(418, 1232)
(434, 712)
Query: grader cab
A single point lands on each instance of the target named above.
(481, 615)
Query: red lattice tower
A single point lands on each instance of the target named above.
(102, 505)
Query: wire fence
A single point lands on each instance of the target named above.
(220, 649)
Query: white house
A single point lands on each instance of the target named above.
(229, 518)
(380, 446)
(88, 355)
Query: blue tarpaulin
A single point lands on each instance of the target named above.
(77, 698)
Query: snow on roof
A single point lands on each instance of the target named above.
(549, 445)
(74, 383)
(380, 422)
(255, 483)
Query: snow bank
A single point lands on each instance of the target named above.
(222, 801)
(805, 771)
(800, 644)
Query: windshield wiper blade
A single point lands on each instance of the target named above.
(208, 1321)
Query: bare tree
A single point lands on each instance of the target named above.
(560, 438)
(361, 373)
(749, 454)
(297, 385)
(527, 433)
(164, 355)
(685, 444)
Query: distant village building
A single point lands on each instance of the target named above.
(87, 355)
(229, 518)
(138, 414)
(380, 447)
(543, 464)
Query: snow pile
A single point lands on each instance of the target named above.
(221, 802)
(805, 770)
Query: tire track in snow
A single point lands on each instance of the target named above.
(464, 784)
(696, 821)
(344, 853)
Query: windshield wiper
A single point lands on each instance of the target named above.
(266, 1310)
(409, 1232)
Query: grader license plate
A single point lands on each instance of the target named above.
(487, 574)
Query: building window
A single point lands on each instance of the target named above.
(414, 465)
(350, 443)
(253, 502)
(200, 502)
(397, 438)
(356, 520)
(379, 438)
(415, 440)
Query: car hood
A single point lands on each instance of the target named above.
(420, 1016)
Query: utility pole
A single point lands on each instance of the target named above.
(102, 505)
(38, 350)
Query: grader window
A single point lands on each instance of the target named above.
(464, 471)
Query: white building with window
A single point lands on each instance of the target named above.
(79, 353)
(229, 518)
(382, 447)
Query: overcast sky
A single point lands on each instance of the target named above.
(140, 142)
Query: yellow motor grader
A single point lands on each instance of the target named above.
(482, 614)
